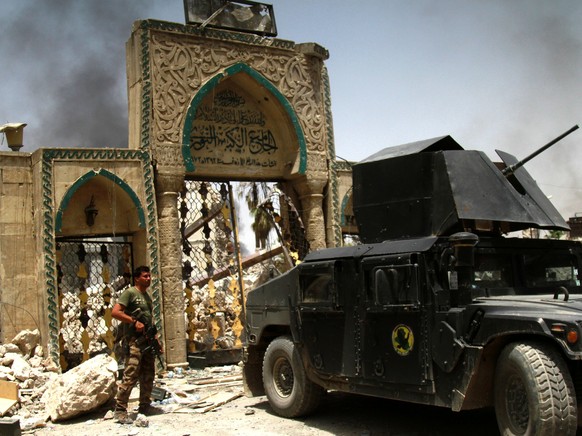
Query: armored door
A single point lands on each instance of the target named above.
(322, 315)
(394, 340)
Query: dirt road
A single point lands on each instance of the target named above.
(339, 414)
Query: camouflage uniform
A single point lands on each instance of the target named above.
(139, 365)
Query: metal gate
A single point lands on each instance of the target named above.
(211, 267)
(91, 275)
(214, 271)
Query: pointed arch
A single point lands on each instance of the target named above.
(346, 207)
(85, 179)
(265, 83)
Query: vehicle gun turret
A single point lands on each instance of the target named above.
(436, 188)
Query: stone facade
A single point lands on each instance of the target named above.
(203, 105)
(21, 306)
(119, 183)
(45, 195)
(236, 106)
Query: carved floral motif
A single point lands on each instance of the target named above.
(170, 155)
(181, 66)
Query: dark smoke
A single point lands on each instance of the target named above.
(69, 57)
(550, 102)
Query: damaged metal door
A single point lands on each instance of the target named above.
(211, 267)
(218, 264)
(91, 275)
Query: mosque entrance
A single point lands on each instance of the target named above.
(235, 235)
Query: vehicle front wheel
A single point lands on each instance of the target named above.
(289, 391)
(534, 394)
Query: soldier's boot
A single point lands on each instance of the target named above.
(122, 417)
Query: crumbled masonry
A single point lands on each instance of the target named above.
(46, 395)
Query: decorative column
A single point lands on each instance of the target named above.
(169, 183)
(310, 191)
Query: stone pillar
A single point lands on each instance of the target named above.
(168, 186)
(310, 191)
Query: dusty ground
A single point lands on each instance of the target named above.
(219, 408)
(339, 415)
(210, 402)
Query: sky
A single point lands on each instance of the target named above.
(495, 74)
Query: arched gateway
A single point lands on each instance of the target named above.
(215, 108)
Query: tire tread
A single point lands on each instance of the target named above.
(550, 380)
(306, 395)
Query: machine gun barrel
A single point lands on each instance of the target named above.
(508, 171)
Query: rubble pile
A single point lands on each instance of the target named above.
(200, 390)
(44, 393)
(213, 311)
(22, 361)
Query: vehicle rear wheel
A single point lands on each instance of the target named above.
(289, 391)
(534, 394)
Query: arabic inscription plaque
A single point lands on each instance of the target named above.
(234, 136)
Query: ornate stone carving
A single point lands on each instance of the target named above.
(168, 185)
(310, 192)
(334, 217)
(176, 64)
(170, 155)
(180, 66)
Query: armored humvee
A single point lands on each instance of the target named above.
(438, 305)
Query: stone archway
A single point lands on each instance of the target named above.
(118, 207)
(223, 106)
(239, 126)
(95, 227)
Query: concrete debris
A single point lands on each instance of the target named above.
(217, 310)
(27, 341)
(44, 394)
(141, 421)
(21, 369)
(82, 389)
(22, 363)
